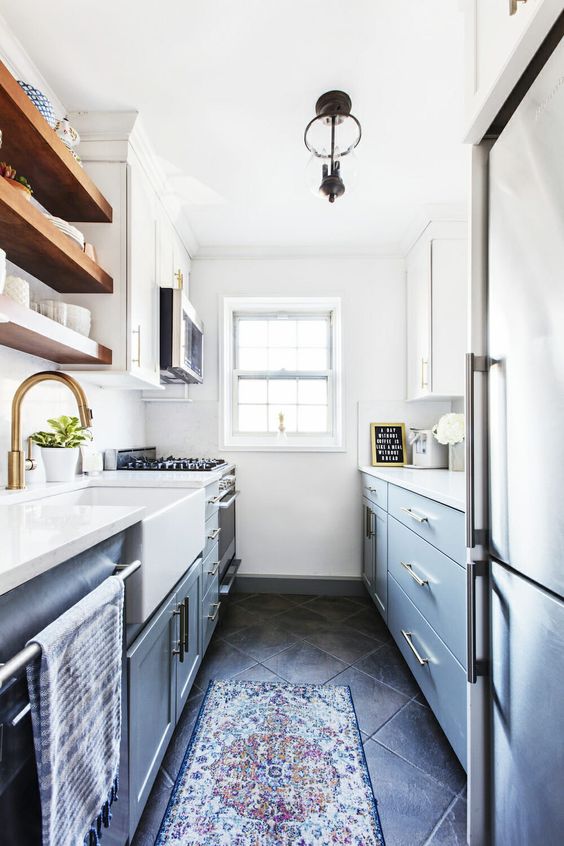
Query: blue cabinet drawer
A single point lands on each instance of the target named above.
(440, 525)
(376, 490)
(211, 533)
(442, 596)
(210, 613)
(212, 499)
(440, 676)
(210, 568)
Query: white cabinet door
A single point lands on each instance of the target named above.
(437, 293)
(181, 263)
(419, 320)
(165, 249)
(449, 293)
(499, 46)
(142, 276)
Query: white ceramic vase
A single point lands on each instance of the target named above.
(60, 463)
(456, 455)
(2, 270)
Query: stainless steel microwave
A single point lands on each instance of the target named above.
(181, 339)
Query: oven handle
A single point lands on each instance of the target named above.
(229, 502)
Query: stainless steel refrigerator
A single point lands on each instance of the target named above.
(516, 478)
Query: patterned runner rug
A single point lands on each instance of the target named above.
(273, 765)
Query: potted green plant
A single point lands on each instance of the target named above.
(60, 447)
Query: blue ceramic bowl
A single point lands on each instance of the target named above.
(40, 102)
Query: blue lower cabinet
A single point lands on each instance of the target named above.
(375, 554)
(162, 663)
(152, 704)
(210, 612)
(439, 675)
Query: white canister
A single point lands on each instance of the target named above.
(2, 270)
(60, 463)
(18, 290)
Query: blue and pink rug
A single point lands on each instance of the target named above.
(273, 765)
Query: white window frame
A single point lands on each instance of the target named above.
(232, 440)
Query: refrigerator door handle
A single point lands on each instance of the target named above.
(474, 570)
(474, 364)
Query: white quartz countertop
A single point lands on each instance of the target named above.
(443, 486)
(37, 533)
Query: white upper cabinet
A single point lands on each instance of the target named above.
(437, 312)
(140, 249)
(502, 36)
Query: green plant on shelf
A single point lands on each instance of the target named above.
(9, 172)
(67, 433)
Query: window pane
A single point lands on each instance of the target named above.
(290, 417)
(312, 418)
(282, 391)
(312, 391)
(282, 358)
(252, 391)
(252, 418)
(312, 333)
(281, 333)
(252, 358)
(253, 333)
(312, 359)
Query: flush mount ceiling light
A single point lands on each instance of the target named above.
(332, 134)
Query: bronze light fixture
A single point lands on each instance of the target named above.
(332, 134)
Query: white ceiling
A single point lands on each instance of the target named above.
(226, 88)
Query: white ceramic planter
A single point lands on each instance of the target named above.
(59, 463)
(2, 270)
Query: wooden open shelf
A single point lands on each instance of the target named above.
(35, 334)
(35, 244)
(33, 148)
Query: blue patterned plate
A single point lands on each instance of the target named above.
(40, 102)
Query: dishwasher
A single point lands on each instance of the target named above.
(25, 611)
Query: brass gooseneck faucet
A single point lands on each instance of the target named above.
(17, 463)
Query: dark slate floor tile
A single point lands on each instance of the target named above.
(344, 642)
(452, 830)
(301, 621)
(364, 600)
(333, 608)
(153, 814)
(374, 702)
(239, 597)
(267, 604)
(257, 673)
(298, 598)
(303, 663)
(237, 617)
(415, 735)
(370, 623)
(222, 661)
(387, 665)
(182, 734)
(410, 803)
(262, 641)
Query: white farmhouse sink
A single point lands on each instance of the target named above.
(166, 541)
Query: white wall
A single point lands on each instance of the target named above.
(299, 513)
(119, 419)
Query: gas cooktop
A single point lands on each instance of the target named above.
(146, 459)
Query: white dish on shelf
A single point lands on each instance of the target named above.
(54, 310)
(18, 290)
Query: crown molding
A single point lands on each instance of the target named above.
(282, 251)
(22, 67)
(431, 213)
(108, 136)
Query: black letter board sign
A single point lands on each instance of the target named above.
(388, 444)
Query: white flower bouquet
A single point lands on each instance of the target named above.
(450, 429)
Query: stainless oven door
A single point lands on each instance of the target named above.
(227, 536)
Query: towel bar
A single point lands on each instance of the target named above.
(28, 653)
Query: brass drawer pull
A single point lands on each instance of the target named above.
(408, 636)
(420, 518)
(180, 612)
(215, 569)
(421, 582)
(216, 612)
(513, 7)
(214, 534)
